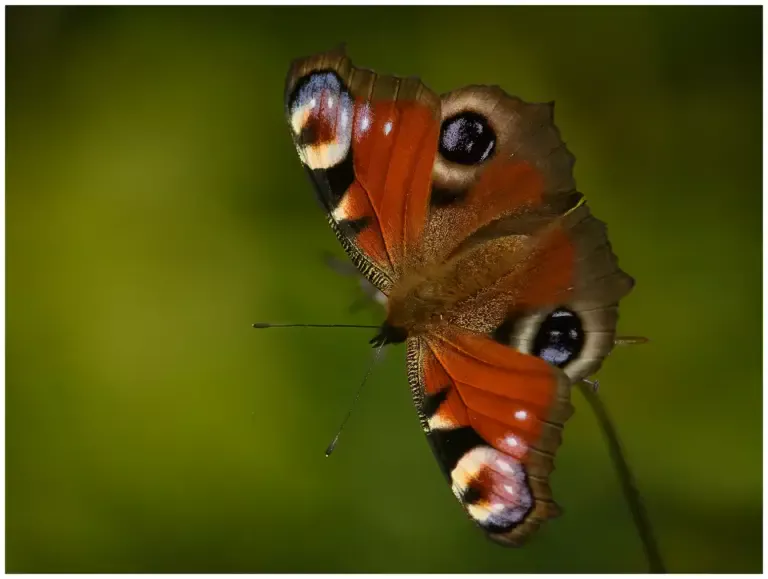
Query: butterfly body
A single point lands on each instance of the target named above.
(463, 211)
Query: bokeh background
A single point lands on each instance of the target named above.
(156, 207)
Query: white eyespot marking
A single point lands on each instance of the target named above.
(505, 498)
(505, 466)
(299, 118)
(479, 512)
(364, 118)
(387, 127)
(331, 121)
(521, 415)
(514, 445)
(342, 209)
(470, 465)
(324, 156)
(488, 150)
(440, 421)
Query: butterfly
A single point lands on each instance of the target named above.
(463, 211)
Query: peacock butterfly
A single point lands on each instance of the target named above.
(462, 209)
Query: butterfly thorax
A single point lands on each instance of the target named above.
(417, 303)
(428, 299)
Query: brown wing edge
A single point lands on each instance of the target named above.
(599, 287)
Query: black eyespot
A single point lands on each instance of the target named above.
(560, 338)
(467, 139)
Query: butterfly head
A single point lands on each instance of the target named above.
(389, 334)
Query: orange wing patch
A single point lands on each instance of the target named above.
(507, 394)
(355, 207)
(504, 188)
(394, 147)
(549, 272)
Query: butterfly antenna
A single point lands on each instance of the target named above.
(335, 440)
(260, 325)
(627, 480)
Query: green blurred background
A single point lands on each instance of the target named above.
(156, 208)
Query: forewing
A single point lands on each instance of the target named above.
(368, 143)
(498, 157)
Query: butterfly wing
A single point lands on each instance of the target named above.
(501, 167)
(493, 385)
(493, 417)
(475, 192)
(529, 290)
(368, 143)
